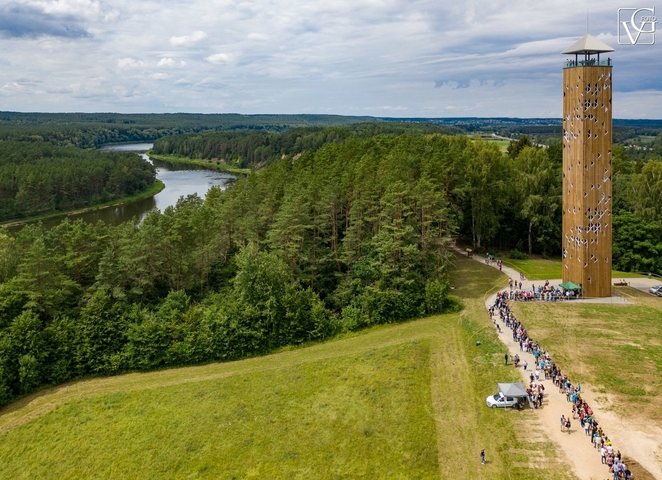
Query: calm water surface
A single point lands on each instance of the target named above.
(179, 180)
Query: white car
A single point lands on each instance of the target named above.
(654, 289)
(500, 400)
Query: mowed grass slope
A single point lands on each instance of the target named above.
(400, 401)
(361, 415)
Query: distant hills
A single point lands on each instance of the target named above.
(90, 130)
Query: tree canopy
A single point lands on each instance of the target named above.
(38, 178)
(350, 235)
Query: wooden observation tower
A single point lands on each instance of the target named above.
(587, 186)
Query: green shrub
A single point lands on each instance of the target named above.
(517, 255)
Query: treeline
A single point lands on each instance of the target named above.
(514, 201)
(509, 202)
(637, 210)
(244, 149)
(623, 130)
(91, 130)
(38, 178)
(349, 236)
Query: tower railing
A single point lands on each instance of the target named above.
(592, 62)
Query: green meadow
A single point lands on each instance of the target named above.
(502, 144)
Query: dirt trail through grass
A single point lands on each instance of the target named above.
(636, 443)
(575, 445)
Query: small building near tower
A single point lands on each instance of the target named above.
(587, 173)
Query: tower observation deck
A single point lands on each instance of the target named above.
(587, 174)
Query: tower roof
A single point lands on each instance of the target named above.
(588, 44)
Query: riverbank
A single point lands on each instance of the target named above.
(156, 188)
(220, 167)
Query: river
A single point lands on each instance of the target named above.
(180, 180)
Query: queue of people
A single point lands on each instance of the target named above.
(545, 366)
(490, 258)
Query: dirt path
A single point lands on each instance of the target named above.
(637, 444)
(577, 447)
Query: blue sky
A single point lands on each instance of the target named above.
(350, 57)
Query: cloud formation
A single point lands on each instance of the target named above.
(376, 57)
(129, 62)
(167, 62)
(23, 20)
(85, 9)
(186, 40)
(219, 58)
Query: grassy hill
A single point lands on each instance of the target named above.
(400, 401)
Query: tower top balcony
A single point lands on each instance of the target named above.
(590, 48)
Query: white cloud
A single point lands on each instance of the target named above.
(398, 108)
(220, 58)
(187, 40)
(13, 87)
(257, 36)
(167, 62)
(159, 76)
(129, 62)
(87, 9)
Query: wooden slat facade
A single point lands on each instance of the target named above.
(587, 178)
